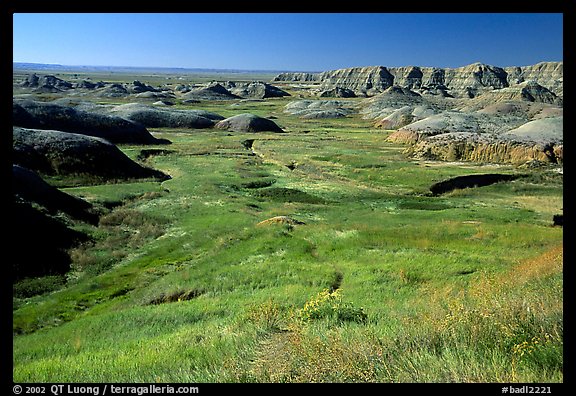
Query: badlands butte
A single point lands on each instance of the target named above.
(477, 112)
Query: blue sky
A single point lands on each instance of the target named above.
(287, 41)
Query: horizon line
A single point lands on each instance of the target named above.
(237, 70)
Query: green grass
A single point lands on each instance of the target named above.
(181, 285)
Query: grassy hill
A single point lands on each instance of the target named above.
(382, 282)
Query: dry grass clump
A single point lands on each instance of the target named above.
(280, 220)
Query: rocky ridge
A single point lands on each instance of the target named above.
(476, 112)
(467, 81)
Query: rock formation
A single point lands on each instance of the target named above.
(42, 115)
(462, 146)
(476, 112)
(29, 187)
(212, 91)
(248, 123)
(337, 92)
(297, 77)
(56, 152)
(154, 117)
(38, 242)
(310, 109)
(255, 90)
(467, 81)
(46, 83)
(38, 236)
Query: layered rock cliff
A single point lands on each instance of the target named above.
(477, 112)
(467, 81)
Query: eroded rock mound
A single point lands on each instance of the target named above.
(212, 91)
(113, 91)
(248, 123)
(310, 109)
(29, 187)
(542, 130)
(42, 115)
(337, 92)
(38, 242)
(46, 83)
(39, 237)
(255, 90)
(55, 152)
(155, 117)
(501, 132)
(462, 146)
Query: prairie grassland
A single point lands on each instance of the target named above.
(382, 283)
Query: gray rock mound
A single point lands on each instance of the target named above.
(212, 91)
(521, 109)
(41, 115)
(389, 101)
(445, 122)
(310, 109)
(112, 91)
(255, 90)
(55, 152)
(337, 92)
(248, 123)
(46, 83)
(404, 116)
(154, 95)
(155, 117)
(138, 87)
(85, 84)
(543, 130)
(529, 91)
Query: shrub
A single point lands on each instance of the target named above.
(329, 304)
(266, 315)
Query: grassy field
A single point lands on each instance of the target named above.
(381, 283)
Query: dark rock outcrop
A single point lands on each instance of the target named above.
(255, 90)
(337, 92)
(38, 242)
(297, 77)
(29, 187)
(113, 91)
(56, 152)
(155, 117)
(46, 83)
(311, 109)
(42, 115)
(139, 87)
(213, 91)
(248, 123)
